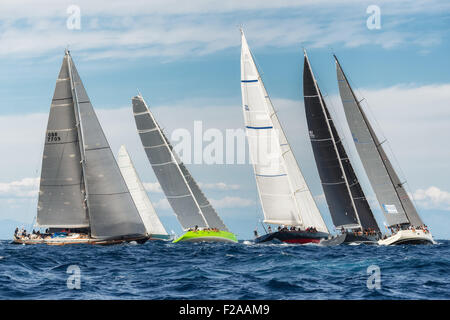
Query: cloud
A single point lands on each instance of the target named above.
(432, 198)
(173, 29)
(231, 202)
(219, 186)
(24, 188)
(152, 187)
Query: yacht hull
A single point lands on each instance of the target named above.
(350, 238)
(59, 241)
(408, 237)
(298, 237)
(207, 236)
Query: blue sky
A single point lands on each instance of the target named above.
(184, 58)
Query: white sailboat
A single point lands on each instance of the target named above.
(153, 225)
(402, 217)
(284, 194)
(83, 197)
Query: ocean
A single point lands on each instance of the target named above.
(162, 270)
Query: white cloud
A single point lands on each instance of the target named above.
(433, 198)
(231, 202)
(173, 28)
(218, 186)
(152, 187)
(24, 188)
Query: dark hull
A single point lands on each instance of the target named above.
(299, 237)
(348, 238)
(352, 238)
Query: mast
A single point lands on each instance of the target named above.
(283, 192)
(332, 196)
(80, 134)
(387, 186)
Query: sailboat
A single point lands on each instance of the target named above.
(348, 206)
(193, 210)
(403, 219)
(285, 198)
(83, 197)
(154, 227)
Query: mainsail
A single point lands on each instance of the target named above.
(284, 194)
(345, 198)
(188, 202)
(81, 184)
(61, 199)
(139, 195)
(393, 198)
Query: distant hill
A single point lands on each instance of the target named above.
(7, 227)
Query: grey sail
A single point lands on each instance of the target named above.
(211, 216)
(345, 198)
(112, 212)
(393, 198)
(61, 199)
(167, 169)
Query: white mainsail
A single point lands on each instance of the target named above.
(284, 194)
(139, 195)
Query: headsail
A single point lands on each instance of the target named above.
(393, 198)
(61, 199)
(139, 195)
(112, 212)
(185, 197)
(284, 194)
(345, 198)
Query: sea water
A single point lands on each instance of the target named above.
(162, 270)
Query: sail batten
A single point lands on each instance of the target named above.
(278, 176)
(345, 198)
(395, 203)
(190, 205)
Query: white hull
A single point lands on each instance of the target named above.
(408, 237)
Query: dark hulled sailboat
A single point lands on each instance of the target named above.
(285, 197)
(346, 201)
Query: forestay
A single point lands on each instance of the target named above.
(284, 194)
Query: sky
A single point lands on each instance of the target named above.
(184, 59)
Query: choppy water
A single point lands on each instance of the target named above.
(158, 270)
